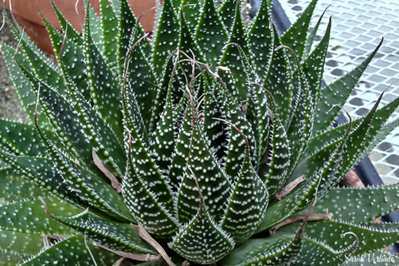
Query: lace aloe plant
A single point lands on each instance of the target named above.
(208, 143)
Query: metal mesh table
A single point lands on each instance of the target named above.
(356, 30)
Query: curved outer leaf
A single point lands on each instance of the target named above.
(36, 220)
(14, 188)
(92, 189)
(21, 139)
(336, 93)
(344, 202)
(281, 250)
(368, 234)
(22, 84)
(40, 64)
(40, 171)
(20, 243)
(117, 236)
(71, 250)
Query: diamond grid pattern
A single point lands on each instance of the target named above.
(358, 27)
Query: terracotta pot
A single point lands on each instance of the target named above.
(27, 13)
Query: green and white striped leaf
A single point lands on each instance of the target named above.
(211, 34)
(74, 249)
(202, 240)
(116, 236)
(246, 205)
(36, 220)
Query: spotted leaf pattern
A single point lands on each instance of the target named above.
(206, 141)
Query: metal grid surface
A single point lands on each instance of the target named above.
(357, 28)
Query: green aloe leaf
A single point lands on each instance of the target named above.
(138, 191)
(116, 236)
(202, 240)
(91, 189)
(140, 90)
(191, 10)
(336, 93)
(20, 243)
(215, 104)
(69, 55)
(164, 41)
(188, 46)
(14, 187)
(347, 207)
(181, 152)
(40, 171)
(380, 120)
(129, 30)
(279, 158)
(163, 138)
(312, 36)
(211, 34)
(302, 121)
(227, 12)
(246, 205)
(282, 250)
(109, 26)
(295, 36)
(8, 258)
(39, 64)
(95, 30)
(315, 251)
(236, 143)
(235, 59)
(313, 67)
(212, 180)
(37, 220)
(368, 234)
(21, 139)
(279, 81)
(83, 131)
(22, 84)
(104, 90)
(73, 249)
(261, 40)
